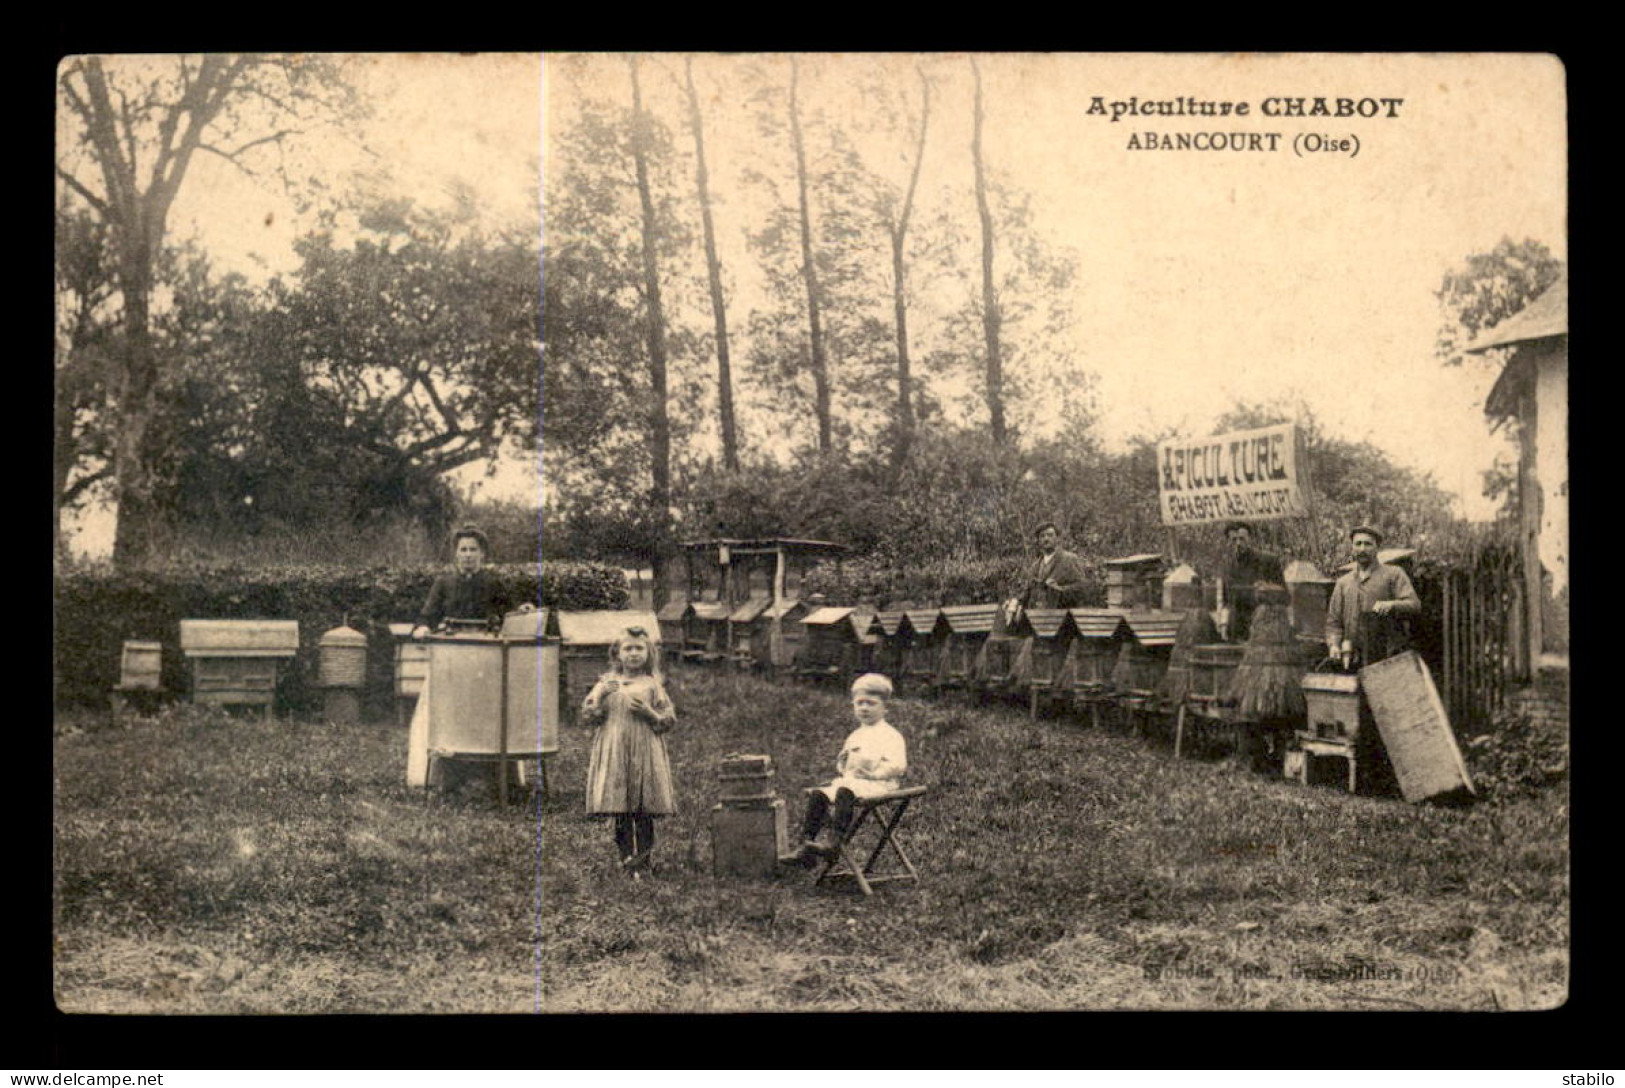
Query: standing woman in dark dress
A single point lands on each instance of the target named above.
(468, 591)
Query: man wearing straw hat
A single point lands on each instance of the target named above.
(1363, 620)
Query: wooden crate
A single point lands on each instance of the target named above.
(1414, 727)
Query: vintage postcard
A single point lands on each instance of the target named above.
(714, 533)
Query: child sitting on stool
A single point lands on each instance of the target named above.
(872, 762)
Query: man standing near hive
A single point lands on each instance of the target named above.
(1245, 569)
(1057, 580)
(1366, 620)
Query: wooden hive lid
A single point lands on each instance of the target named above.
(239, 638)
(783, 608)
(923, 620)
(751, 610)
(711, 611)
(342, 636)
(1097, 622)
(828, 616)
(674, 609)
(1047, 622)
(888, 622)
(1154, 628)
(1134, 561)
(600, 628)
(971, 619)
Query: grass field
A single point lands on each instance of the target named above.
(215, 864)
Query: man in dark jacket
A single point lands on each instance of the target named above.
(1057, 579)
(1245, 569)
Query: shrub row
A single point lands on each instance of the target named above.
(97, 610)
(946, 582)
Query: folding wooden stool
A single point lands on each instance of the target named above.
(888, 810)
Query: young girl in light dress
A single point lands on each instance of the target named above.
(628, 772)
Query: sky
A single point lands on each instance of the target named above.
(1205, 278)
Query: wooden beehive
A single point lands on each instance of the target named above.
(140, 666)
(1134, 581)
(890, 633)
(1094, 652)
(1333, 705)
(672, 618)
(1309, 593)
(838, 643)
(1415, 729)
(1143, 659)
(925, 637)
(1051, 633)
(1182, 589)
(780, 629)
(1213, 667)
(238, 662)
(969, 626)
(584, 641)
(746, 779)
(706, 631)
(749, 642)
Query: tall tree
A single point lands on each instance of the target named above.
(713, 271)
(990, 297)
(86, 335)
(1489, 288)
(396, 359)
(654, 316)
(809, 267)
(137, 125)
(896, 213)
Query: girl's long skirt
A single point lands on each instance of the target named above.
(628, 771)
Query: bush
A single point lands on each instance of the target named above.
(944, 582)
(98, 609)
(1517, 756)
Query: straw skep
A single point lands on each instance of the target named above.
(1197, 629)
(1268, 682)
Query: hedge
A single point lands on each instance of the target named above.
(98, 609)
(948, 582)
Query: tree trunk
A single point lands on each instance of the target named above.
(809, 274)
(899, 239)
(991, 315)
(713, 269)
(140, 523)
(659, 419)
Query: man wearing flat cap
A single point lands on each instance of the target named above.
(1057, 580)
(1366, 619)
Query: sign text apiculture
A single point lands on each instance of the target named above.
(1242, 476)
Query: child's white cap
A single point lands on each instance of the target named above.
(872, 683)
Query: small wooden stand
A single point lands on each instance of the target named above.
(888, 809)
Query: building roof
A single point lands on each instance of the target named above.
(1545, 316)
(1145, 560)
(673, 609)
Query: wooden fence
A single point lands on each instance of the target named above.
(1480, 617)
